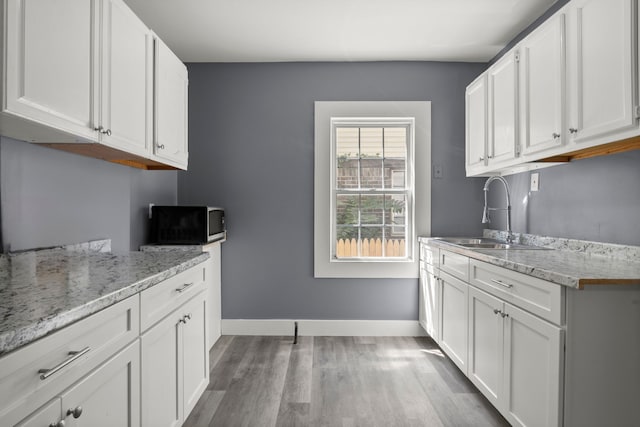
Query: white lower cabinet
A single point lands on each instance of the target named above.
(533, 356)
(454, 326)
(515, 360)
(100, 371)
(429, 301)
(108, 396)
(175, 364)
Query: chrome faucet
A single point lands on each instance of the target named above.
(485, 212)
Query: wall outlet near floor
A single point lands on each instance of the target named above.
(535, 181)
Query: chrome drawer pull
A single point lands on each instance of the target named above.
(73, 356)
(501, 283)
(184, 287)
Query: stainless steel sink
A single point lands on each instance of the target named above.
(485, 243)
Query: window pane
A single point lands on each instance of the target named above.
(347, 173)
(371, 173)
(395, 143)
(347, 144)
(371, 233)
(347, 207)
(394, 206)
(371, 209)
(394, 245)
(371, 143)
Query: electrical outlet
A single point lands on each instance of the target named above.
(150, 206)
(535, 181)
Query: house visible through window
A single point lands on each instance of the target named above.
(372, 191)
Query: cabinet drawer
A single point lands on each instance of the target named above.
(537, 296)
(22, 387)
(455, 264)
(159, 300)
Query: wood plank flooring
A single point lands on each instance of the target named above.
(337, 382)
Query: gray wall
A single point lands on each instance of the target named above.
(594, 199)
(49, 197)
(253, 123)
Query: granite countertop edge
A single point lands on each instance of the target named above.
(22, 336)
(570, 276)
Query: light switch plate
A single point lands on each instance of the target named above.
(535, 181)
(437, 170)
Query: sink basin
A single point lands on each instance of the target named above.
(485, 243)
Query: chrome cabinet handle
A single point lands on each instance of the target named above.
(73, 356)
(481, 159)
(555, 135)
(504, 315)
(490, 157)
(185, 318)
(496, 311)
(76, 412)
(501, 283)
(60, 423)
(103, 130)
(160, 146)
(573, 130)
(183, 287)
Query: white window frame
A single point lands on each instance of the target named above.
(325, 264)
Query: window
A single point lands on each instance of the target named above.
(372, 193)
(372, 185)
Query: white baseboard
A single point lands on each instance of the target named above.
(310, 327)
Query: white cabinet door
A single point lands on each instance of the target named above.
(213, 278)
(600, 68)
(542, 86)
(171, 110)
(454, 328)
(125, 115)
(432, 308)
(503, 130)
(47, 84)
(161, 373)
(422, 296)
(476, 125)
(109, 396)
(486, 344)
(533, 355)
(194, 335)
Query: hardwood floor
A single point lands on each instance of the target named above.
(337, 381)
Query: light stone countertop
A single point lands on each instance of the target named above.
(571, 263)
(42, 291)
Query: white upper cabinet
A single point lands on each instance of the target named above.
(47, 84)
(476, 125)
(125, 114)
(600, 68)
(79, 76)
(503, 108)
(542, 86)
(171, 97)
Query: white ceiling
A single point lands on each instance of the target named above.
(337, 30)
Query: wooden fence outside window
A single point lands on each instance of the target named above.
(348, 248)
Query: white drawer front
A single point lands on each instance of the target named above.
(22, 390)
(455, 264)
(161, 299)
(537, 296)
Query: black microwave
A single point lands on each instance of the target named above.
(187, 225)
